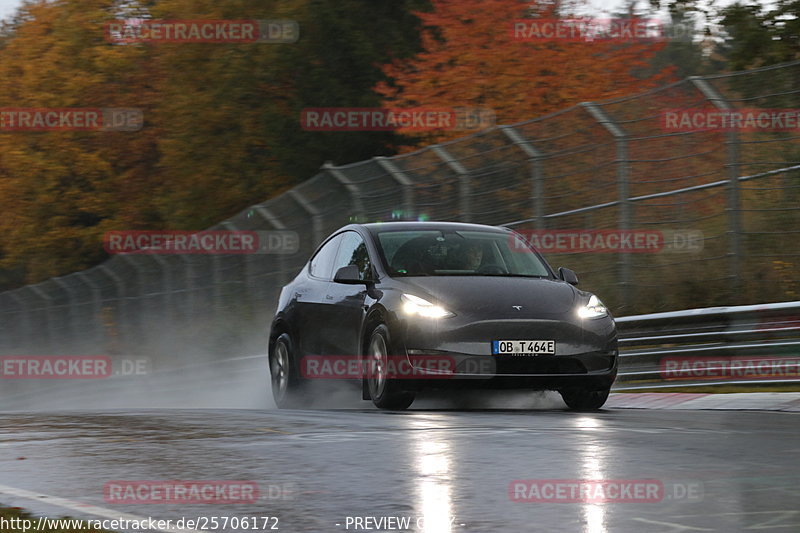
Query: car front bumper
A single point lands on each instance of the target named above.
(586, 354)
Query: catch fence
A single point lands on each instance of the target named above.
(610, 165)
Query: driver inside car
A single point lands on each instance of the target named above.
(471, 257)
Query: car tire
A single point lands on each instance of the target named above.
(287, 386)
(584, 400)
(386, 393)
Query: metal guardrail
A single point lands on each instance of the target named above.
(742, 345)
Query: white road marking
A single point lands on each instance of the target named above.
(82, 507)
(675, 527)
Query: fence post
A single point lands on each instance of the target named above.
(47, 331)
(24, 331)
(96, 302)
(122, 305)
(135, 319)
(71, 317)
(405, 183)
(311, 209)
(166, 283)
(276, 223)
(734, 201)
(463, 182)
(535, 157)
(216, 259)
(355, 194)
(623, 194)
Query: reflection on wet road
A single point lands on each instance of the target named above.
(441, 471)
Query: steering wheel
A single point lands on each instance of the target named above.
(491, 269)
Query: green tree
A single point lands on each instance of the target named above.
(231, 113)
(761, 35)
(691, 48)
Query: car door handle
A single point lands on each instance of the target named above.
(328, 297)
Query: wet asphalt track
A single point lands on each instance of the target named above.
(450, 467)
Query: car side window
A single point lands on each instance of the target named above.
(353, 251)
(322, 262)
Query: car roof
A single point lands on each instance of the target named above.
(421, 226)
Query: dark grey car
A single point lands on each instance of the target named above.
(454, 305)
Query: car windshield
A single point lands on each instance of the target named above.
(458, 253)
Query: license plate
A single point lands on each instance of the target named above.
(539, 347)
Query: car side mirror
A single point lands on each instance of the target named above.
(349, 275)
(568, 275)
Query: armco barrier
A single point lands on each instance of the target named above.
(750, 344)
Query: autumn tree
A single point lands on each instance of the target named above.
(471, 59)
(222, 120)
(61, 190)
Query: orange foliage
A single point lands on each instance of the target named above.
(471, 59)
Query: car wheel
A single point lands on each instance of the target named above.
(584, 400)
(385, 392)
(286, 384)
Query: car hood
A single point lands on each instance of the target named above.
(496, 296)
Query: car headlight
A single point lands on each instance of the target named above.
(593, 309)
(414, 305)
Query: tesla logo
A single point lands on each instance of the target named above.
(517, 307)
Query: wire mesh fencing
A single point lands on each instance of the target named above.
(641, 163)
